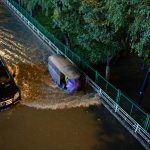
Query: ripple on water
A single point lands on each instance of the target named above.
(37, 88)
(39, 91)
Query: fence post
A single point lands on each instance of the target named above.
(146, 123)
(118, 96)
(65, 51)
(116, 107)
(148, 126)
(106, 87)
(96, 76)
(79, 60)
(131, 110)
(136, 129)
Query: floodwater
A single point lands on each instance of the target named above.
(47, 118)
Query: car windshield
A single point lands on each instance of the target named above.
(3, 75)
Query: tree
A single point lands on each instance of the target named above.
(45, 5)
(140, 29)
(99, 37)
(98, 30)
(29, 5)
(66, 16)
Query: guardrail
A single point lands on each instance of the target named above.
(131, 116)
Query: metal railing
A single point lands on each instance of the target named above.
(122, 107)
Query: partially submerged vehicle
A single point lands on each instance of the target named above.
(9, 91)
(64, 73)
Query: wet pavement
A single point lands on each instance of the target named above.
(27, 56)
(45, 118)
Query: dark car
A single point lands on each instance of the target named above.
(9, 91)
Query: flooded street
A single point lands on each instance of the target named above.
(27, 56)
(47, 118)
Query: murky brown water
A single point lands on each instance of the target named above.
(28, 56)
(45, 118)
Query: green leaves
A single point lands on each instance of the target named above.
(139, 30)
(99, 29)
(115, 13)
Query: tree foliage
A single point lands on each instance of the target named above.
(140, 29)
(98, 29)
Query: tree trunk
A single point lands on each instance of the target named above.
(46, 13)
(19, 2)
(107, 71)
(143, 87)
(60, 5)
(31, 12)
(143, 65)
(66, 39)
(36, 10)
